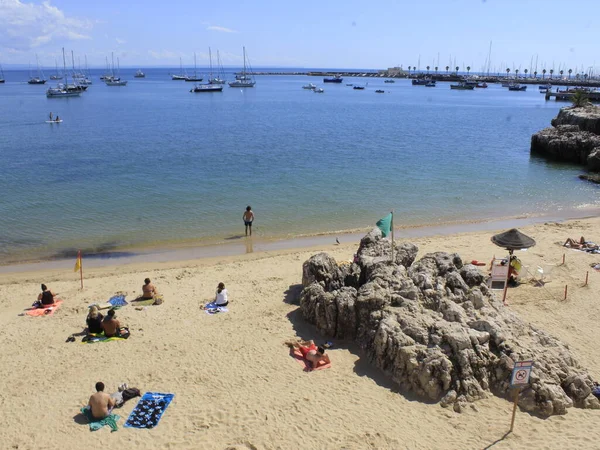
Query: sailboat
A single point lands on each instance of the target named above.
(219, 79)
(2, 80)
(245, 79)
(195, 77)
(62, 90)
(40, 76)
(57, 76)
(115, 80)
(181, 75)
(83, 77)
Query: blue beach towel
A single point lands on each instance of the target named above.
(596, 392)
(96, 424)
(117, 300)
(149, 410)
(213, 308)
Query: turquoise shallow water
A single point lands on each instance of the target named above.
(151, 163)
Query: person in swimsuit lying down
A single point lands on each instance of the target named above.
(572, 243)
(101, 403)
(46, 297)
(310, 352)
(148, 289)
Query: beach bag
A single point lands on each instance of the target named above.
(130, 393)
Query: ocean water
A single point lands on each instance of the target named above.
(153, 164)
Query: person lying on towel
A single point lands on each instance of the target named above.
(311, 352)
(101, 404)
(46, 297)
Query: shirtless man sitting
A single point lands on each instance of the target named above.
(101, 404)
(149, 290)
(110, 325)
(311, 352)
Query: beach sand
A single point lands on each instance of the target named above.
(234, 382)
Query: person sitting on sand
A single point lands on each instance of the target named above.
(149, 290)
(101, 404)
(310, 352)
(94, 321)
(221, 295)
(46, 297)
(110, 325)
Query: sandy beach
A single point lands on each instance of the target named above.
(235, 385)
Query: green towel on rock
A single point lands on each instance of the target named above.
(96, 424)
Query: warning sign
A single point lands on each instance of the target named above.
(521, 373)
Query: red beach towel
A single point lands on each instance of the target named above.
(297, 355)
(47, 310)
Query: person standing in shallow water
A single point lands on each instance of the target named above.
(248, 219)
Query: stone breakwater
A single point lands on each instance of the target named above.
(573, 137)
(435, 328)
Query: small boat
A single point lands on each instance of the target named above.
(114, 80)
(349, 84)
(39, 79)
(359, 88)
(380, 91)
(517, 87)
(207, 88)
(545, 86)
(389, 81)
(481, 86)
(2, 80)
(54, 121)
(462, 86)
(58, 76)
(246, 78)
(36, 80)
(334, 79)
(422, 81)
(139, 74)
(309, 86)
(430, 84)
(319, 90)
(194, 79)
(182, 76)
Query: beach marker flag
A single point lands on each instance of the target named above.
(79, 267)
(386, 225)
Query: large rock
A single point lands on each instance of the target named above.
(575, 137)
(434, 327)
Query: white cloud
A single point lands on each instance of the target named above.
(221, 29)
(120, 41)
(165, 54)
(29, 25)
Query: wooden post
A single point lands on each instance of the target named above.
(563, 263)
(565, 292)
(392, 227)
(516, 401)
(587, 274)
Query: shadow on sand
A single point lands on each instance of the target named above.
(497, 441)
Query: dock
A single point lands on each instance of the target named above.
(559, 96)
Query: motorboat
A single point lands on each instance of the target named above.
(334, 79)
(517, 87)
(309, 86)
(58, 92)
(319, 90)
(422, 81)
(359, 88)
(430, 84)
(481, 86)
(462, 86)
(139, 74)
(389, 81)
(380, 91)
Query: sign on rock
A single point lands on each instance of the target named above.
(521, 373)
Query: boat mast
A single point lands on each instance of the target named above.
(210, 62)
(244, 72)
(65, 68)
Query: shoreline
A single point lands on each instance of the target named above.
(242, 245)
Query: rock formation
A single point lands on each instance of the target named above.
(575, 137)
(434, 327)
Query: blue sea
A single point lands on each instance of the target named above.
(152, 164)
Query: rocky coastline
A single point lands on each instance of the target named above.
(573, 137)
(433, 326)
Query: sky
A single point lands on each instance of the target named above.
(309, 34)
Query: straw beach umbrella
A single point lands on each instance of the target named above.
(512, 240)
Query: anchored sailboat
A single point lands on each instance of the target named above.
(63, 90)
(40, 76)
(182, 76)
(195, 77)
(56, 76)
(245, 79)
(220, 78)
(114, 80)
(2, 80)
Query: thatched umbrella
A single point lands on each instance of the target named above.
(512, 240)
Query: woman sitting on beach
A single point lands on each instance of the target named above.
(94, 321)
(313, 354)
(221, 295)
(148, 289)
(46, 297)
